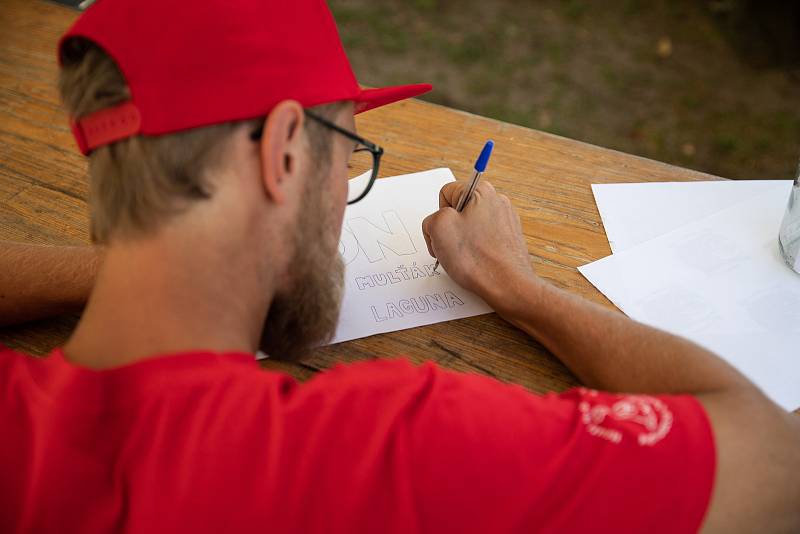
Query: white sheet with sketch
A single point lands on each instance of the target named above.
(389, 279)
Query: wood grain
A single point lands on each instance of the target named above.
(43, 199)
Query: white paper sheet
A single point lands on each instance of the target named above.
(389, 279)
(719, 281)
(635, 213)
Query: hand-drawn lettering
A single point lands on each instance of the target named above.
(402, 271)
(420, 304)
(452, 299)
(390, 281)
(392, 311)
(416, 272)
(348, 246)
(436, 301)
(406, 306)
(429, 270)
(364, 281)
(400, 274)
(378, 318)
(375, 240)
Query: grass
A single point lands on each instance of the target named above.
(589, 70)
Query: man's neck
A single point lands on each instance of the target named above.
(171, 294)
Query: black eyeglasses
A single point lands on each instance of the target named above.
(362, 167)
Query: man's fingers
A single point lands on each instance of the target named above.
(485, 188)
(426, 233)
(433, 224)
(450, 193)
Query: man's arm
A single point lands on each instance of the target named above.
(38, 281)
(758, 444)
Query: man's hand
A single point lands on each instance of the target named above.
(482, 248)
(757, 443)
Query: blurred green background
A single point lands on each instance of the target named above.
(709, 85)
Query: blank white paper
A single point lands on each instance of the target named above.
(721, 282)
(635, 213)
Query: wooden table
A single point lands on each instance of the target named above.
(43, 199)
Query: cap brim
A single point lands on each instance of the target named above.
(372, 98)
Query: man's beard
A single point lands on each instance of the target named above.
(305, 315)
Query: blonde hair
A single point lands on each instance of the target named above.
(138, 183)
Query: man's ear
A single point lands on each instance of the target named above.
(281, 149)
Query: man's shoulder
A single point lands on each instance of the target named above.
(11, 359)
(9, 352)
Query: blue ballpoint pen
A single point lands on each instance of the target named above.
(480, 166)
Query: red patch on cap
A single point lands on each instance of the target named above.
(106, 126)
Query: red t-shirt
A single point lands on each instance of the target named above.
(204, 442)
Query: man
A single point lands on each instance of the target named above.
(219, 136)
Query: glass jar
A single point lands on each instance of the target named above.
(789, 236)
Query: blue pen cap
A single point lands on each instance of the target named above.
(483, 159)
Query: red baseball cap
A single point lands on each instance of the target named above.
(196, 63)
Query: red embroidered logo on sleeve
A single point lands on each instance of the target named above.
(649, 418)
